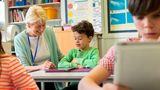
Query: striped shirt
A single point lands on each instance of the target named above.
(108, 60)
(14, 76)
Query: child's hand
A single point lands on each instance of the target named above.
(79, 66)
(74, 61)
(133, 39)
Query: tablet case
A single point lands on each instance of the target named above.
(69, 70)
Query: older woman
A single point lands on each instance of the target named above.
(36, 47)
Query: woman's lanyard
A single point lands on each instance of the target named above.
(33, 57)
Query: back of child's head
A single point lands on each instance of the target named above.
(84, 27)
(143, 7)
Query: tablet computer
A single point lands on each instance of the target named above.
(69, 70)
(60, 70)
(137, 65)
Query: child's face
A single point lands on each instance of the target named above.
(148, 26)
(82, 41)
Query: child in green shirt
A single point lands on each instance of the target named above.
(84, 55)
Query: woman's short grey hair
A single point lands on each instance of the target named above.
(35, 14)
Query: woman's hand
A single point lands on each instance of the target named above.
(109, 86)
(47, 65)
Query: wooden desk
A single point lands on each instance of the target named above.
(42, 76)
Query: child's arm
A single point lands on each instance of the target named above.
(74, 61)
(91, 60)
(66, 62)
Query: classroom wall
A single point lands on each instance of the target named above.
(106, 43)
(109, 39)
(3, 18)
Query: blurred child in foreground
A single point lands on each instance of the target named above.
(146, 16)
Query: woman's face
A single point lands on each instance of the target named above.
(148, 26)
(36, 29)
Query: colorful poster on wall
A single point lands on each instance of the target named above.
(90, 10)
(77, 11)
(97, 15)
(120, 20)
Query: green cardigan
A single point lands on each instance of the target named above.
(88, 58)
(23, 52)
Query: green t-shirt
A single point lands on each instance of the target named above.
(88, 58)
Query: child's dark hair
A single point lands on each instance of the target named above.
(143, 7)
(84, 27)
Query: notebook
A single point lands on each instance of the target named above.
(137, 65)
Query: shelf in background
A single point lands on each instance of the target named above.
(13, 23)
(54, 20)
(48, 21)
(43, 4)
